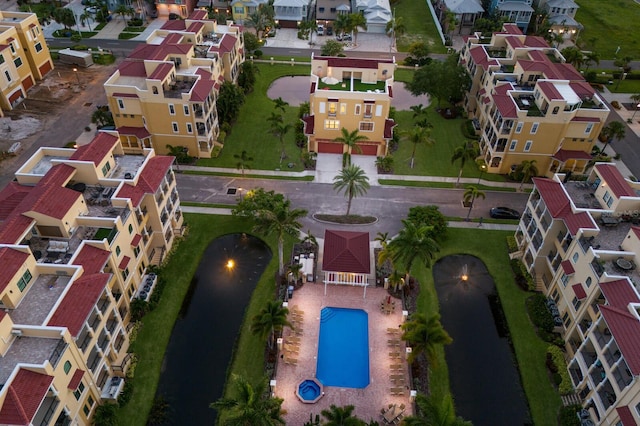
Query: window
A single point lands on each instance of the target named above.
(67, 367)
(534, 128)
(125, 273)
(172, 109)
(343, 109)
(357, 111)
(185, 108)
(238, 10)
(332, 124)
(106, 168)
(130, 229)
(78, 392)
(321, 9)
(576, 303)
(607, 198)
(24, 280)
(6, 74)
(588, 129)
(564, 279)
(378, 110)
(555, 110)
(332, 10)
(519, 127)
(368, 110)
(588, 281)
(12, 47)
(136, 251)
(118, 251)
(322, 107)
(527, 146)
(566, 320)
(18, 62)
(189, 128)
(120, 104)
(576, 256)
(333, 108)
(513, 145)
(366, 126)
(1, 59)
(174, 125)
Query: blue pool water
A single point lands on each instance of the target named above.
(343, 348)
(309, 390)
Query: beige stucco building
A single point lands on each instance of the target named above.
(78, 230)
(165, 92)
(354, 94)
(24, 57)
(528, 104)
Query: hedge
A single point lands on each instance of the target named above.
(565, 387)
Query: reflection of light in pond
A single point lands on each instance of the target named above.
(465, 273)
(230, 264)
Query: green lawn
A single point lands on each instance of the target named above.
(609, 24)
(421, 184)
(154, 335)
(490, 246)
(419, 25)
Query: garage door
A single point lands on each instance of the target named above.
(368, 149)
(329, 148)
(45, 68)
(27, 83)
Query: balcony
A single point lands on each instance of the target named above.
(112, 388)
(598, 375)
(607, 395)
(355, 85)
(576, 374)
(180, 87)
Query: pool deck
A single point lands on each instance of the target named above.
(368, 401)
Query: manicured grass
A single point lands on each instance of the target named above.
(440, 185)
(247, 175)
(609, 24)
(127, 36)
(625, 86)
(404, 75)
(152, 340)
(265, 58)
(490, 247)
(251, 130)
(419, 25)
(212, 205)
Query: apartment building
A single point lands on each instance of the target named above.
(182, 8)
(165, 92)
(581, 242)
(528, 104)
(24, 57)
(78, 229)
(354, 94)
(518, 12)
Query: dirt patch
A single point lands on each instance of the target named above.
(15, 129)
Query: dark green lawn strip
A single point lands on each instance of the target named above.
(247, 175)
(441, 185)
(419, 25)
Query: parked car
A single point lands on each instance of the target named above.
(92, 10)
(329, 31)
(343, 37)
(504, 213)
(320, 30)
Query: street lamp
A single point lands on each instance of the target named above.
(634, 112)
(483, 167)
(75, 71)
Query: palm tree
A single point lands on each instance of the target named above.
(123, 10)
(342, 24)
(272, 318)
(281, 220)
(591, 58)
(275, 118)
(280, 130)
(86, 17)
(636, 101)
(395, 28)
(419, 135)
(612, 131)
(250, 407)
(357, 20)
(353, 181)
(412, 243)
(419, 110)
(573, 56)
(243, 160)
(435, 411)
(383, 238)
(468, 151)
(256, 20)
(424, 335)
(350, 139)
(341, 416)
(294, 269)
(280, 104)
(470, 196)
(396, 280)
(528, 169)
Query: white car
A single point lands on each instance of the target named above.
(320, 30)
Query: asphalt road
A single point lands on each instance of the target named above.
(628, 147)
(390, 204)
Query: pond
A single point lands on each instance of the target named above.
(295, 90)
(199, 351)
(484, 377)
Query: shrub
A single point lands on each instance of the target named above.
(539, 314)
(215, 152)
(80, 47)
(258, 54)
(468, 130)
(615, 104)
(135, 22)
(512, 244)
(568, 416)
(523, 278)
(565, 387)
(126, 393)
(430, 216)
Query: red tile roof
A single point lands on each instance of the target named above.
(309, 124)
(506, 105)
(514, 42)
(194, 27)
(75, 379)
(481, 58)
(136, 240)
(582, 89)
(100, 147)
(619, 293)
(24, 396)
(11, 262)
(124, 262)
(636, 231)
(567, 267)
(10, 197)
(566, 154)
(130, 68)
(198, 14)
(549, 90)
(175, 24)
(161, 72)
(579, 291)
(511, 28)
(535, 41)
(611, 175)
(203, 87)
(625, 416)
(149, 181)
(625, 329)
(559, 205)
(389, 124)
(14, 228)
(333, 61)
(92, 259)
(139, 132)
(78, 302)
(346, 251)
(227, 42)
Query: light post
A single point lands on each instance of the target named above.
(634, 112)
(483, 167)
(77, 18)
(75, 71)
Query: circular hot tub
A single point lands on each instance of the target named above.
(309, 391)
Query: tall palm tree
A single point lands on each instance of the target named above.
(419, 110)
(251, 407)
(86, 18)
(412, 243)
(395, 280)
(353, 181)
(342, 24)
(341, 416)
(280, 220)
(243, 161)
(280, 104)
(591, 58)
(395, 28)
(383, 238)
(275, 118)
(272, 318)
(528, 168)
(294, 269)
(419, 135)
(470, 196)
(357, 21)
(256, 20)
(636, 101)
(424, 335)
(280, 130)
(615, 130)
(435, 411)
(351, 139)
(468, 151)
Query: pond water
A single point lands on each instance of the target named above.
(199, 351)
(295, 90)
(484, 377)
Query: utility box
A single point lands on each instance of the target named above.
(76, 57)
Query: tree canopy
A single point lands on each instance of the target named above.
(443, 80)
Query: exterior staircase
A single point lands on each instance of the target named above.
(571, 399)
(540, 285)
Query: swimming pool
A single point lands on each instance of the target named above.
(343, 348)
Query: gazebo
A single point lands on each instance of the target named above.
(346, 259)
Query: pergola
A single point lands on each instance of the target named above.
(346, 259)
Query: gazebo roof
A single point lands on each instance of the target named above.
(346, 251)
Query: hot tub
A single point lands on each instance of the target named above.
(309, 391)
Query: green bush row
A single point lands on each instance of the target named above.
(512, 244)
(565, 387)
(523, 278)
(538, 312)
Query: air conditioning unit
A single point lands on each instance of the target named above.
(17, 333)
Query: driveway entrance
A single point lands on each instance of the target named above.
(329, 165)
